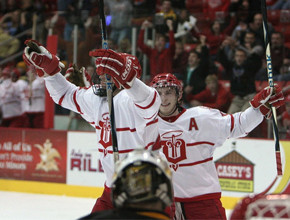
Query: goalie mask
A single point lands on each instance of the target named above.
(141, 177)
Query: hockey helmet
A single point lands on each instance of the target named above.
(7, 71)
(141, 177)
(167, 80)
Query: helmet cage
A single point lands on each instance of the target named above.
(99, 90)
(97, 87)
(167, 80)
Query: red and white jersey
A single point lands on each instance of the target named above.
(34, 100)
(10, 99)
(135, 116)
(188, 142)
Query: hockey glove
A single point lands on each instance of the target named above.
(38, 56)
(267, 97)
(122, 67)
(79, 77)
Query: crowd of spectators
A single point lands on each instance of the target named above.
(216, 48)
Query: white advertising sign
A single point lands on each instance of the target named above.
(246, 166)
(83, 165)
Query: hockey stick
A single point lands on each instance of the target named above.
(271, 84)
(109, 84)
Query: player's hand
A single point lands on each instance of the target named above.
(266, 98)
(122, 67)
(38, 56)
(79, 77)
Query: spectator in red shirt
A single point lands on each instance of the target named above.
(215, 95)
(180, 61)
(160, 57)
(216, 35)
(216, 9)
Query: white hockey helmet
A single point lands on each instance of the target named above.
(141, 177)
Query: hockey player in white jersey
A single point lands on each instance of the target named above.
(188, 138)
(136, 106)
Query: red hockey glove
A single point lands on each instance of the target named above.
(267, 97)
(122, 67)
(38, 56)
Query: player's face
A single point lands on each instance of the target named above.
(103, 80)
(168, 101)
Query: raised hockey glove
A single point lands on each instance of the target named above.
(79, 77)
(38, 56)
(267, 97)
(122, 67)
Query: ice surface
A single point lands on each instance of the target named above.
(28, 206)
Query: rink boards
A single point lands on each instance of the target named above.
(68, 163)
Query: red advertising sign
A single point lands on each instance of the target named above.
(31, 154)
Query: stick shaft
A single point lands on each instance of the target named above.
(109, 84)
(271, 84)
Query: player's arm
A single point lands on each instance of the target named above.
(47, 65)
(62, 92)
(146, 99)
(245, 122)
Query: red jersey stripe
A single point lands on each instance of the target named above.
(200, 142)
(61, 99)
(76, 103)
(126, 129)
(120, 151)
(148, 145)
(123, 151)
(232, 122)
(148, 106)
(154, 115)
(192, 164)
(131, 129)
(152, 122)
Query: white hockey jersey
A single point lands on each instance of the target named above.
(34, 100)
(135, 116)
(10, 99)
(188, 142)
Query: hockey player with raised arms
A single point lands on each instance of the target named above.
(188, 138)
(136, 106)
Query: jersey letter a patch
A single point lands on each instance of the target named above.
(192, 124)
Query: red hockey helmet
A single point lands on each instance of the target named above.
(7, 71)
(167, 80)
